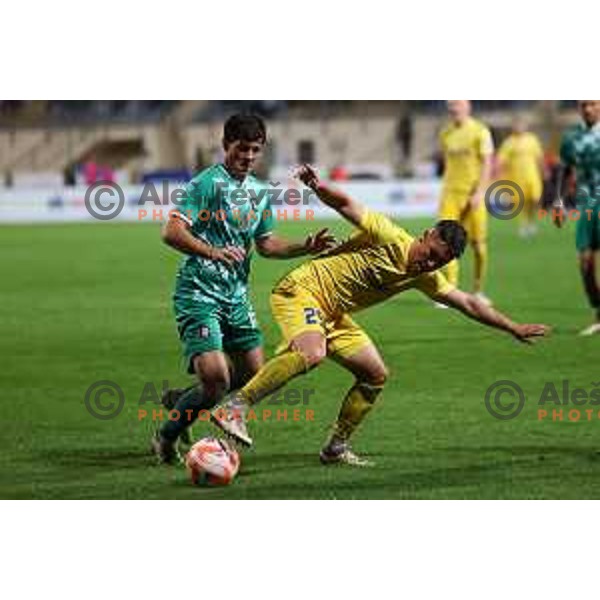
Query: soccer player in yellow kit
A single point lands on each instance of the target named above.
(312, 306)
(521, 160)
(467, 149)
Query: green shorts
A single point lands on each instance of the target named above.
(206, 326)
(587, 234)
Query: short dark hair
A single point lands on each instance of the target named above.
(246, 128)
(454, 235)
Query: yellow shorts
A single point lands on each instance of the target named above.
(453, 206)
(297, 311)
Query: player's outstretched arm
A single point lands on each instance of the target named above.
(477, 310)
(273, 246)
(176, 233)
(346, 206)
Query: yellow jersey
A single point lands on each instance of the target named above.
(520, 156)
(464, 148)
(366, 269)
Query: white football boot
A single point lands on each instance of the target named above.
(342, 454)
(591, 330)
(230, 418)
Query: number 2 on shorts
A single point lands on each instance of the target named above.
(311, 316)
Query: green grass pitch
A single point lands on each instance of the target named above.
(86, 302)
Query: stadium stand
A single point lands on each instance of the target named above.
(397, 138)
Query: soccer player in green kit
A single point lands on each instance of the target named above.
(580, 156)
(224, 213)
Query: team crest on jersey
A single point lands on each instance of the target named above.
(203, 332)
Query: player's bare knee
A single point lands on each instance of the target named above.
(312, 348)
(376, 376)
(379, 376)
(313, 355)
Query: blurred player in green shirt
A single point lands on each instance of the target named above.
(580, 156)
(225, 212)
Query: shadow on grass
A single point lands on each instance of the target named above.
(103, 459)
(496, 475)
(352, 481)
(490, 472)
(261, 463)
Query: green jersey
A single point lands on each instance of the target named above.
(580, 148)
(222, 211)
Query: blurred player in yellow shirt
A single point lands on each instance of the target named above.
(467, 149)
(521, 159)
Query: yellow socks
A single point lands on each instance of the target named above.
(358, 402)
(273, 375)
